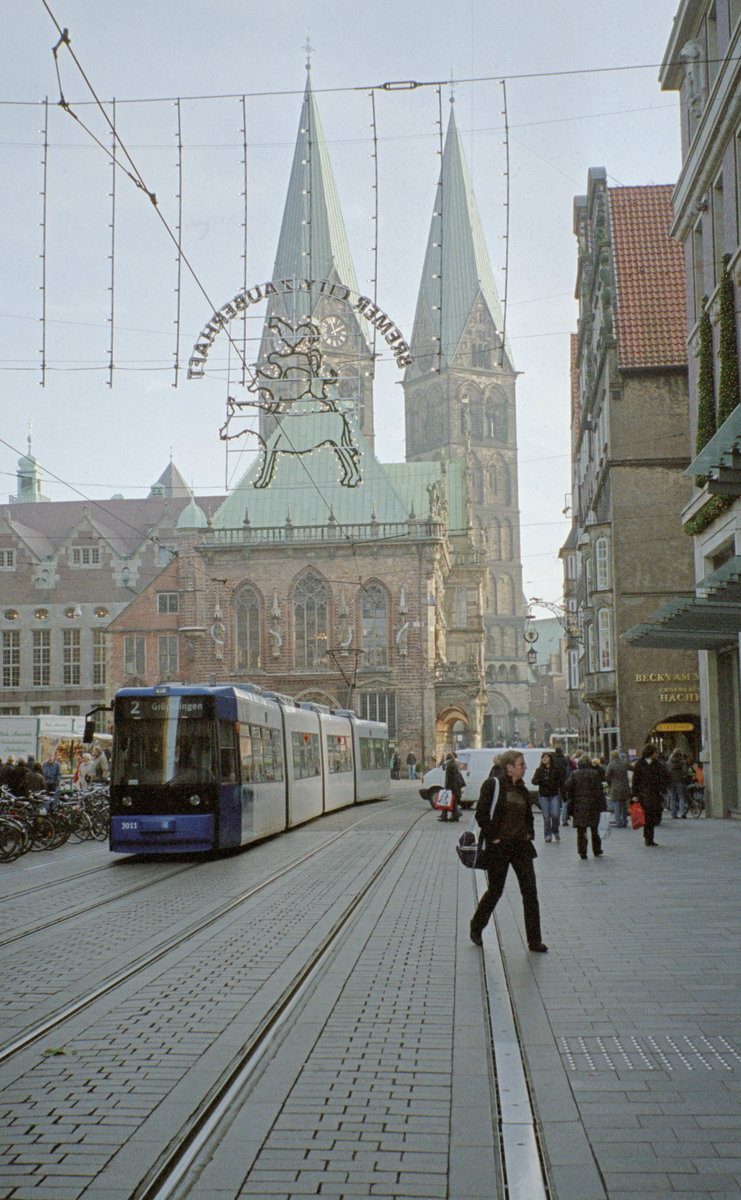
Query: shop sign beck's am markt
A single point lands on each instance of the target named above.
(678, 688)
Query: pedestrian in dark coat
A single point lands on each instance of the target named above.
(508, 832)
(616, 777)
(564, 768)
(455, 783)
(585, 801)
(650, 782)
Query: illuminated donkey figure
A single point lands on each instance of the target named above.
(311, 419)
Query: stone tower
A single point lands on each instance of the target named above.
(313, 253)
(460, 404)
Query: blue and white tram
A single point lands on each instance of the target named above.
(206, 768)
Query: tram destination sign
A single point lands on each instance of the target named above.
(163, 708)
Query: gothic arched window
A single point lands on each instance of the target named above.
(374, 625)
(505, 595)
(495, 538)
(247, 612)
(310, 621)
(506, 540)
(435, 418)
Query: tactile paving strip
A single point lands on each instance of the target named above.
(647, 1052)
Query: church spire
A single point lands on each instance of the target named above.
(314, 251)
(457, 271)
(313, 242)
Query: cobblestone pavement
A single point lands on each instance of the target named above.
(382, 1083)
(632, 1023)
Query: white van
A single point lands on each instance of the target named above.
(475, 766)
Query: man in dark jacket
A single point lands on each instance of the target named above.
(650, 782)
(585, 801)
(508, 830)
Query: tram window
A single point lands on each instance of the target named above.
(258, 753)
(227, 755)
(339, 754)
(373, 754)
(146, 752)
(305, 753)
(276, 742)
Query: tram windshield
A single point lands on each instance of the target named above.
(163, 740)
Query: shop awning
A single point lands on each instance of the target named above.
(709, 620)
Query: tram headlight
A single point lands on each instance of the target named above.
(127, 801)
(195, 801)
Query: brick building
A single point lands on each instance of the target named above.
(630, 442)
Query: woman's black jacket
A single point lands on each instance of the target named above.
(585, 796)
(650, 781)
(490, 822)
(547, 780)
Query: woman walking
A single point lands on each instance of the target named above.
(650, 782)
(585, 801)
(547, 778)
(508, 830)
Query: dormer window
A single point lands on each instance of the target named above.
(85, 556)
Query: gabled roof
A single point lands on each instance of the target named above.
(651, 324)
(172, 482)
(451, 284)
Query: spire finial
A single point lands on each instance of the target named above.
(30, 431)
(452, 87)
(308, 48)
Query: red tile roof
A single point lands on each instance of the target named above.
(651, 324)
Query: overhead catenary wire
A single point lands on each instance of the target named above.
(135, 175)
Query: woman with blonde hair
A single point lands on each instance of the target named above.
(505, 814)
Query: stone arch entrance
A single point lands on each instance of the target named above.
(452, 731)
(678, 732)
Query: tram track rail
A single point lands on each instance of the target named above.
(83, 909)
(143, 962)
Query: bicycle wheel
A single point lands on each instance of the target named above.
(81, 828)
(11, 841)
(43, 833)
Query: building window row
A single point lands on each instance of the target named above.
(85, 556)
(41, 658)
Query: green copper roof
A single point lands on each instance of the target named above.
(465, 271)
(306, 489)
(413, 481)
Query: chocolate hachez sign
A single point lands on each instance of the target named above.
(287, 287)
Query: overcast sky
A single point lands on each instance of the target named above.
(581, 90)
